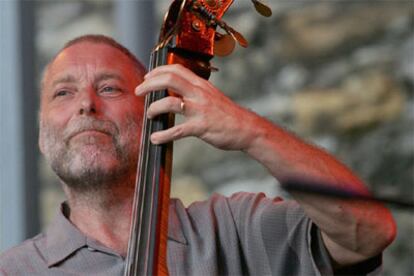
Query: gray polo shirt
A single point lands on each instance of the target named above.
(246, 234)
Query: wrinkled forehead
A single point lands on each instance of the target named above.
(89, 57)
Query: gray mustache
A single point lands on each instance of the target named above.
(86, 124)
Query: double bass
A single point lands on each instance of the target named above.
(188, 36)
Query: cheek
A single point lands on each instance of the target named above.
(52, 121)
(124, 111)
(130, 127)
(47, 133)
(55, 122)
(58, 114)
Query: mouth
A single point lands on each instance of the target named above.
(89, 132)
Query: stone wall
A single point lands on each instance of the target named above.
(338, 73)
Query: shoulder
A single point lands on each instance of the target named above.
(216, 204)
(216, 211)
(240, 202)
(240, 208)
(238, 199)
(22, 258)
(257, 206)
(21, 250)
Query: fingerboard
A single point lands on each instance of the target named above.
(149, 227)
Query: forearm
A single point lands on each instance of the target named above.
(352, 230)
(287, 156)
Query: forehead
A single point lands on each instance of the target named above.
(87, 57)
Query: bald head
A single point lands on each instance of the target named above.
(96, 39)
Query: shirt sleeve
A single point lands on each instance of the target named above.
(279, 232)
(370, 267)
(251, 234)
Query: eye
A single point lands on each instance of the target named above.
(61, 93)
(110, 90)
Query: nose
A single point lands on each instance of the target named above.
(88, 102)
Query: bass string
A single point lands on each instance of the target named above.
(146, 165)
(140, 199)
(138, 202)
(155, 150)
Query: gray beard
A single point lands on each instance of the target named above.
(86, 173)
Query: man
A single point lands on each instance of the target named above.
(89, 124)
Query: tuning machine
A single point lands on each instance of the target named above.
(224, 44)
(262, 8)
(233, 33)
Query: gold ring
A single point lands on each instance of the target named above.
(182, 107)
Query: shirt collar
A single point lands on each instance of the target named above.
(63, 238)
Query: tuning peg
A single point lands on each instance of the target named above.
(234, 34)
(239, 37)
(223, 44)
(262, 8)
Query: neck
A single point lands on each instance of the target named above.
(104, 215)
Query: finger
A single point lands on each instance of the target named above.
(165, 105)
(178, 69)
(171, 134)
(174, 82)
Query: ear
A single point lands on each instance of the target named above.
(41, 142)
